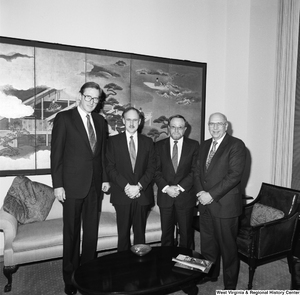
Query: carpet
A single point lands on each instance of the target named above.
(45, 278)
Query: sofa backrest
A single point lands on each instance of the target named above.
(56, 210)
(107, 205)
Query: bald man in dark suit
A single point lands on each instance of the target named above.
(220, 165)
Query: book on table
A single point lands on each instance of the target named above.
(192, 263)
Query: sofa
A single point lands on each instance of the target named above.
(42, 239)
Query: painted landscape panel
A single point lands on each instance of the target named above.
(38, 80)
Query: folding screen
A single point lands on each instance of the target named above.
(39, 79)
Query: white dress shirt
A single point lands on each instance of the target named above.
(179, 146)
(135, 140)
(83, 114)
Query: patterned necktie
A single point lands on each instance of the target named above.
(92, 137)
(211, 154)
(132, 152)
(175, 155)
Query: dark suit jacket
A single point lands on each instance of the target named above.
(73, 164)
(165, 173)
(120, 171)
(223, 177)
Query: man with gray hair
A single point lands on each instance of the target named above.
(220, 166)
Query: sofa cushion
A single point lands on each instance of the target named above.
(107, 225)
(28, 201)
(153, 221)
(39, 235)
(56, 210)
(262, 214)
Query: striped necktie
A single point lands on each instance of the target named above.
(92, 137)
(132, 152)
(175, 155)
(211, 154)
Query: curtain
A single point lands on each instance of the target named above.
(287, 49)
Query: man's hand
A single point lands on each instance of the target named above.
(173, 191)
(60, 194)
(204, 198)
(132, 191)
(105, 186)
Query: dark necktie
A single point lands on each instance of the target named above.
(92, 137)
(132, 152)
(211, 154)
(175, 155)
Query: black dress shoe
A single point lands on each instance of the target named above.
(193, 291)
(207, 279)
(70, 290)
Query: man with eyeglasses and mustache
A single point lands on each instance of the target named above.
(131, 166)
(220, 166)
(78, 175)
(176, 161)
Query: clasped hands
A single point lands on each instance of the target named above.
(173, 191)
(132, 191)
(204, 198)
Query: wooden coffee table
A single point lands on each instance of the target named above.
(126, 273)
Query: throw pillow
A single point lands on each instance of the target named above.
(28, 200)
(262, 214)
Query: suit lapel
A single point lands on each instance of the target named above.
(98, 130)
(140, 149)
(205, 155)
(167, 152)
(80, 127)
(124, 143)
(184, 152)
(219, 151)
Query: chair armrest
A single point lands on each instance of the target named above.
(246, 216)
(281, 230)
(9, 226)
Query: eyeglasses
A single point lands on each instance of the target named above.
(88, 98)
(173, 128)
(217, 124)
(133, 121)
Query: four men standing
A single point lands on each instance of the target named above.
(183, 172)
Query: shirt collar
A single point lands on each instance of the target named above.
(128, 135)
(219, 140)
(180, 141)
(82, 113)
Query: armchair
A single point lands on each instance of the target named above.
(269, 233)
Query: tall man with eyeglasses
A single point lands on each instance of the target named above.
(78, 174)
(220, 166)
(176, 158)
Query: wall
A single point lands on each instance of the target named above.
(237, 40)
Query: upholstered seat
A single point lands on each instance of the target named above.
(43, 240)
(267, 226)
